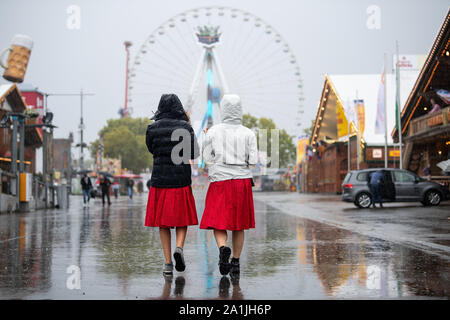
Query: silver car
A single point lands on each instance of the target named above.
(399, 185)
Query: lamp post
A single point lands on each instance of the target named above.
(81, 126)
(127, 46)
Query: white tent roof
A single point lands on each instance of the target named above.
(366, 87)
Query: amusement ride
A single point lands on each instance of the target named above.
(204, 53)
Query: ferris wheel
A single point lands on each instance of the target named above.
(203, 53)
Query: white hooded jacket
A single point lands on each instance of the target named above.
(230, 148)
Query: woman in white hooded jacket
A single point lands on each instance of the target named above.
(229, 151)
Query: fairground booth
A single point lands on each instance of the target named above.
(346, 115)
(12, 101)
(425, 116)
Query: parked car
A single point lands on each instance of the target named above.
(399, 186)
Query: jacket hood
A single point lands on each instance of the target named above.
(171, 107)
(231, 109)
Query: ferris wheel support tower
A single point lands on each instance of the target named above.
(208, 37)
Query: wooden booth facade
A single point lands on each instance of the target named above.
(326, 163)
(425, 126)
(11, 100)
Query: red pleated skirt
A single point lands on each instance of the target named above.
(170, 207)
(229, 206)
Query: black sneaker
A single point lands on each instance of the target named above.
(178, 255)
(224, 256)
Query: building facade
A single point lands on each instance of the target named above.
(425, 117)
(344, 136)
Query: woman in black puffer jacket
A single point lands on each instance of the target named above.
(172, 142)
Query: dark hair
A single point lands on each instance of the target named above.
(188, 116)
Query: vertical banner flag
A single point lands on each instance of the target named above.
(381, 117)
(360, 115)
(361, 122)
(301, 148)
(350, 114)
(342, 123)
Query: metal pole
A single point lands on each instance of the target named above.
(81, 132)
(21, 157)
(44, 165)
(127, 45)
(14, 157)
(52, 167)
(22, 145)
(45, 102)
(14, 145)
(385, 114)
(348, 147)
(69, 165)
(358, 142)
(397, 69)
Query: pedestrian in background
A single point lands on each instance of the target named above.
(376, 187)
(434, 106)
(130, 184)
(171, 203)
(230, 149)
(115, 188)
(427, 172)
(86, 186)
(140, 186)
(105, 184)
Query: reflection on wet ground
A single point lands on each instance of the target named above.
(285, 257)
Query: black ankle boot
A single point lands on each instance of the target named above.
(235, 267)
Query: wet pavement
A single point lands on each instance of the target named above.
(284, 257)
(405, 223)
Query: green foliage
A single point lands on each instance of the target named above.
(286, 151)
(124, 138)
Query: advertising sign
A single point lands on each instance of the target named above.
(377, 153)
(394, 153)
(413, 62)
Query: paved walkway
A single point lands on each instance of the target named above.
(43, 254)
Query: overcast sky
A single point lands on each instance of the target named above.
(327, 36)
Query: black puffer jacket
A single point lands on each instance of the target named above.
(168, 172)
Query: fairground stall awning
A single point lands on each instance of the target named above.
(11, 99)
(338, 106)
(433, 82)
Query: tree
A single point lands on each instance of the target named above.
(286, 150)
(124, 138)
(309, 131)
